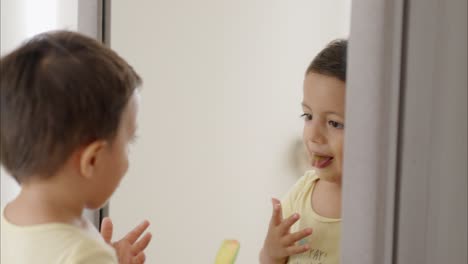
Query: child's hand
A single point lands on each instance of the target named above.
(280, 243)
(128, 249)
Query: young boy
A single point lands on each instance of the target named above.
(68, 114)
(310, 232)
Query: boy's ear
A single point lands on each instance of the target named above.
(90, 157)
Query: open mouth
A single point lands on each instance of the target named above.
(320, 161)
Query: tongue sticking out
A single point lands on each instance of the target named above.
(321, 161)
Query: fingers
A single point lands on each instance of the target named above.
(107, 229)
(293, 250)
(294, 237)
(136, 232)
(277, 215)
(139, 259)
(141, 245)
(286, 224)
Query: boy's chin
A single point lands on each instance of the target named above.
(96, 205)
(328, 176)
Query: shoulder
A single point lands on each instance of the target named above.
(65, 244)
(89, 250)
(299, 190)
(306, 181)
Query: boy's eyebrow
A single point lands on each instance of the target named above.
(327, 112)
(305, 105)
(334, 113)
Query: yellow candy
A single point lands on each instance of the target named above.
(228, 252)
(318, 158)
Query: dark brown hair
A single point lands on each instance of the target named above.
(331, 60)
(59, 91)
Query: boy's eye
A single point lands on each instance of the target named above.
(335, 124)
(306, 117)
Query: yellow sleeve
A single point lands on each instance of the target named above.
(89, 252)
(289, 200)
(97, 258)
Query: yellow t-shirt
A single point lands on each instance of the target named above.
(326, 232)
(53, 244)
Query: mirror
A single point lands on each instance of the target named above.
(219, 117)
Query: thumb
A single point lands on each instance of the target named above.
(277, 215)
(107, 229)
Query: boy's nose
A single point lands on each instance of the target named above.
(315, 134)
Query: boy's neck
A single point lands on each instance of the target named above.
(335, 184)
(45, 201)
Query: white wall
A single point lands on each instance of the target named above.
(20, 20)
(219, 116)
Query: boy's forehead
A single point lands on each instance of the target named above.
(129, 117)
(315, 79)
(324, 93)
